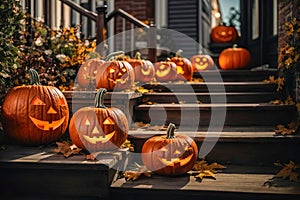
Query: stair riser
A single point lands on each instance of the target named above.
(237, 117)
(217, 98)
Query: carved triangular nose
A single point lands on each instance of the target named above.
(51, 111)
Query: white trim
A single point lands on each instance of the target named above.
(110, 26)
(161, 13)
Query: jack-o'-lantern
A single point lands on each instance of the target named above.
(34, 114)
(165, 71)
(143, 69)
(98, 128)
(183, 67)
(234, 58)
(86, 75)
(169, 155)
(202, 62)
(224, 34)
(114, 74)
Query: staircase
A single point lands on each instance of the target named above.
(246, 144)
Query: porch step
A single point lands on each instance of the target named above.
(261, 148)
(234, 182)
(232, 97)
(239, 114)
(236, 75)
(211, 87)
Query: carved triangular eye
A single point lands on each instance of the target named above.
(108, 121)
(87, 122)
(37, 102)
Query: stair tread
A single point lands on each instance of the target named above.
(233, 179)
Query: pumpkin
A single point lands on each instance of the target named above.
(114, 74)
(165, 71)
(224, 34)
(183, 67)
(169, 154)
(234, 58)
(86, 75)
(34, 114)
(202, 62)
(98, 128)
(143, 69)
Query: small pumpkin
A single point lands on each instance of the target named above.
(86, 75)
(170, 154)
(202, 62)
(165, 71)
(234, 58)
(183, 67)
(224, 34)
(114, 74)
(143, 69)
(98, 128)
(34, 114)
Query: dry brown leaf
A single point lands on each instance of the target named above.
(288, 172)
(290, 129)
(205, 170)
(128, 145)
(67, 149)
(134, 174)
(142, 90)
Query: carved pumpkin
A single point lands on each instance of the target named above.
(165, 71)
(171, 154)
(224, 34)
(34, 114)
(98, 128)
(115, 75)
(202, 62)
(143, 69)
(234, 58)
(183, 67)
(86, 75)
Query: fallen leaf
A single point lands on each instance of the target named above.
(205, 170)
(290, 129)
(67, 149)
(288, 172)
(128, 145)
(135, 173)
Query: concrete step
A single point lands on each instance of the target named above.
(234, 182)
(232, 114)
(211, 87)
(232, 97)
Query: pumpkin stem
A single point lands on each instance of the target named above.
(112, 55)
(170, 131)
(235, 46)
(99, 99)
(179, 53)
(200, 52)
(138, 55)
(34, 77)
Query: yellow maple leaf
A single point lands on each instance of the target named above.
(205, 170)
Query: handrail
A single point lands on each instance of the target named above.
(127, 16)
(89, 14)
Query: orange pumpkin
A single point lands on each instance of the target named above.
(202, 62)
(86, 75)
(165, 71)
(34, 114)
(170, 155)
(183, 67)
(234, 58)
(115, 75)
(224, 34)
(98, 128)
(143, 69)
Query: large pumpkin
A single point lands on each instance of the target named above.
(234, 58)
(34, 114)
(86, 75)
(165, 71)
(143, 69)
(183, 67)
(170, 155)
(224, 34)
(115, 74)
(98, 128)
(202, 62)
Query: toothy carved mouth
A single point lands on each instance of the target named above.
(163, 73)
(96, 139)
(45, 125)
(121, 81)
(181, 161)
(180, 70)
(146, 72)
